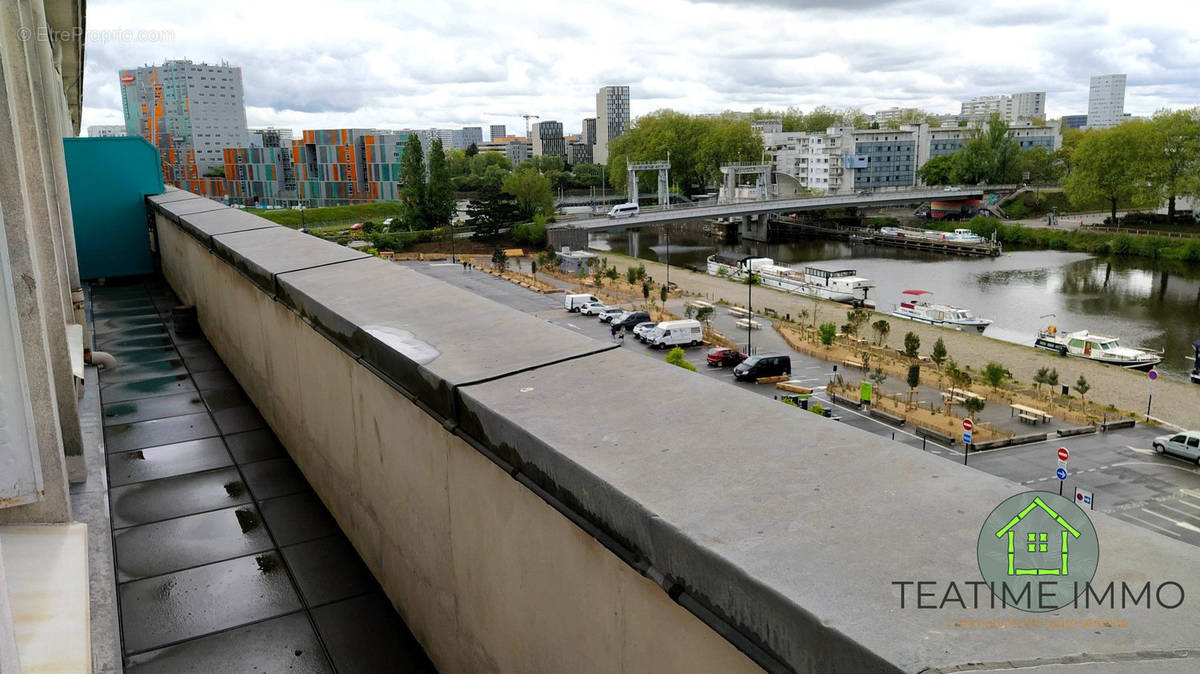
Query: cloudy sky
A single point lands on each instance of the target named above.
(450, 63)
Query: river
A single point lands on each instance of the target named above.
(1147, 305)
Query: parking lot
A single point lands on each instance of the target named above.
(1129, 480)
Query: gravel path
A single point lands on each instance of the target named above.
(1175, 401)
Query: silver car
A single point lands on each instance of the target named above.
(608, 313)
(1185, 445)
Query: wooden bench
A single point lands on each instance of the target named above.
(793, 388)
(1028, 418)
(771, 380)
(852, 363)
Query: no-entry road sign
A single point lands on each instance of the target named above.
(1063, 454)
(968, 425)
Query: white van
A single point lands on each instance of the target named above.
(573, 302)
(676, 333)
(627, 210)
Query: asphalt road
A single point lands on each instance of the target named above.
(1128, 479)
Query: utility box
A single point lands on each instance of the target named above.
(109, 180)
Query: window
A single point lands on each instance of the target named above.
(1037, 542)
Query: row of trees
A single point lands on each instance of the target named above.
(697, 145)
(1152, 160)
(992, 156)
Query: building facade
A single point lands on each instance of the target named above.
(270, 137)
(497, 131)
(587, 133)
(843, 160)
(472, 134)
(1106, 101)
(106, 131)
(190, 111)
(612, 118)
(548, 139)
(1020, 107)
(1074, 121)
(515, 149)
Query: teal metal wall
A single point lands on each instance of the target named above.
(109, 179)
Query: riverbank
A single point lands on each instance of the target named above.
(1174, 401)
(1152, 247)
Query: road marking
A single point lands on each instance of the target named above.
(573, 326)
(1150, 524)
(1188, 504)
(1181, 525)
(1185, 514)
(1194, 493)
(1042, 479)
(1139, 450)
(445, 264)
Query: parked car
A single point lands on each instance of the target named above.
(676, 333)
(642, 330)
(592, 308)
(1185, 445)
(757, 367)
(607, 314)
(575, 302)
(724, 356)
(629, 319)
(356, 227)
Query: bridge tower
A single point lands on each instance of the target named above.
(631, 184)
(733, 170)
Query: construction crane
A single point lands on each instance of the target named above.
(527, 117)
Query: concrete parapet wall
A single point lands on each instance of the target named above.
(531, 502)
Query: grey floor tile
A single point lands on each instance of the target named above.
(158, 407)
(276, 477)
(153, 330)
(159, 611)
(156, 500)
(137, 343)
(153, 463)
(328, 570)
(148, 388)
(297, 518)
(254, 446)
(140, 371)
(153, 354)
(110, 325)
(225, 398)
(203, 363)
(214, 379)
(364, 634)
(184, 542)
(239, 419)
(158, 432)
(196, 350)
(287, 644)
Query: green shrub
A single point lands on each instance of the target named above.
(676, 357)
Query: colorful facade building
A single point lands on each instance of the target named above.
(191, 112)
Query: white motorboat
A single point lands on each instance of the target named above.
(918, 305)
(1100, 348)
(837, 284)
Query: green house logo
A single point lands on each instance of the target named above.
(1037, 551)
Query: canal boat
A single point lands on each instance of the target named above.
(836, 284)
(1100, 348)
(918, 305)
(962, 235)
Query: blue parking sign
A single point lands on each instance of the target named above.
(966, 437)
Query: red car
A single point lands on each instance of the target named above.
(724, 357)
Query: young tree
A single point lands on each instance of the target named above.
(913, 380)
(439, 192)
(499, 260)
(704, 315)
(676, 357)
(1083, 387)
(878, 377)
(1052, 380)
(471, 151)
(412, 188)
(827, 332)
(662, 294)
(881, 328)
(995, 374)
(1041, 377)
(631, 275)
(855, 318)
(646, 290)
(490, 211)
(974, 405)
(912, 345)
(938, 355)
(938, 170)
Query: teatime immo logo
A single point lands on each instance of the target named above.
(1037, 551)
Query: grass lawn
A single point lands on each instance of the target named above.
(332, 215)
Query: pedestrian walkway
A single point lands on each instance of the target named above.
(226, 560)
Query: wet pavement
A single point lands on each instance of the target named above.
(226, 560)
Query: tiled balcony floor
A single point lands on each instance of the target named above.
(226, 560)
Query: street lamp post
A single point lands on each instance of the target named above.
(750, 311)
